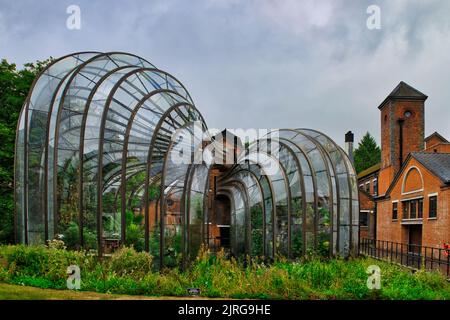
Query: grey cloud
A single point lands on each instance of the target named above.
(263, 64)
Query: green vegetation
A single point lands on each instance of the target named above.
(367, 154)
(256, 214)
(134, 230)
(131, 272)
(14, 87)
(72, 237)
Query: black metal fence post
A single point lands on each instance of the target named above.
(401, 254)
(419, 260)
(432, 258)
(415, 256)
(448, 264)
(396, 252)
(439, 263)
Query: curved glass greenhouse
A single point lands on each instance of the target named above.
(97, 165)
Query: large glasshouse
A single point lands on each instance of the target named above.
(97, 165)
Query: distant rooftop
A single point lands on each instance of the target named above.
(369, 170)
(436, 134)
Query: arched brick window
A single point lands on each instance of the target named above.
(412, 181)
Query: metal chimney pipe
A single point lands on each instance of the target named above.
(349, 139)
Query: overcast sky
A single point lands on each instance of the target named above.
(260, 63)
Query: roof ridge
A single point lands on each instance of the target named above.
(369, 170)
(438, 135)
(428, 152)
(404, 85)
(404, 91)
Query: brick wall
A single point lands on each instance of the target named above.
(388, 229)
(434, 140)
(434, 231)
(441, 148)
(413, 136)
(413, 129)
(366, 203)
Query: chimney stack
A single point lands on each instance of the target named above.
(349, 139)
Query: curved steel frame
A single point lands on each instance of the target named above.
(108, 119)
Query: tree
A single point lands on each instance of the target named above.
(14, 87)
(367, 154)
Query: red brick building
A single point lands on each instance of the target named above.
(368, 190)
(406, 198)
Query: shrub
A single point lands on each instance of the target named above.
(39, 261)
(171, 283)
(71, 237)
(56, 244)
(4, 275)
(127, 262)
(135, 236)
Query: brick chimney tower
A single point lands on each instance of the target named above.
(402, 130)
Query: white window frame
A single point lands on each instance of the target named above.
(394, 201)
(435, 194)
(373, 181)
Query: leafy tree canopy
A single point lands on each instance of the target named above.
(367, 154)
(14, 86)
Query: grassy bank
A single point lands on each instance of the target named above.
(18, 292)
(131, 273)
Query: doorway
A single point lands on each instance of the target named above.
(414, 245)
(415, 235)
(219, 224)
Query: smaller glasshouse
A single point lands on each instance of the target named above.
(97, 165)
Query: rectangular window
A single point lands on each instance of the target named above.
(420, 208)
(433, 207)
(394, 210)
(413, 209)
(375, 187)
(405, 214)
(368, 187)
(364, 219)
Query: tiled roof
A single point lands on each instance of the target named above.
(437, 163)
(404, 91)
